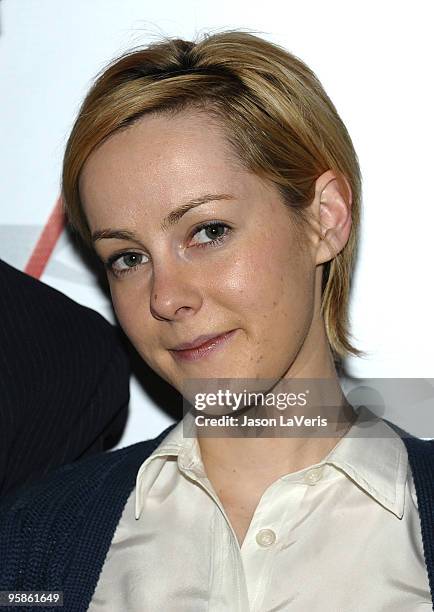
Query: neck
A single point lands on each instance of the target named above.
(260, 460)
(268, 458)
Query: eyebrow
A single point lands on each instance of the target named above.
(172, 218)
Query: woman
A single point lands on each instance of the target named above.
(220, 188)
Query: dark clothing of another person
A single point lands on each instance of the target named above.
(64, 380)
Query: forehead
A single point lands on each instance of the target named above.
(160, 160)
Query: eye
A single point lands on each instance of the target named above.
(122, 263)
(212, 230)
(128, 261)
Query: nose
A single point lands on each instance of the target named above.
(174, 292)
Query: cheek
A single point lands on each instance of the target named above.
(274, 293)
(126, 303)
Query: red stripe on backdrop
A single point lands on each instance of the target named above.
(47, 241)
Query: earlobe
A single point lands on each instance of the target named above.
(334, 199)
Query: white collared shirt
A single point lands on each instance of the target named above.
(342, 535)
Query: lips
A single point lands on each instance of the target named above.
(198, 342)
(202, 348)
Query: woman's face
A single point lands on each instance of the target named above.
(172, 284)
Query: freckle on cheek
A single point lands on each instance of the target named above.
(155, 296)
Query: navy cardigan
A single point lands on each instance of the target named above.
(55, 535)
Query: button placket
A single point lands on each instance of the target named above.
(266, 538)
(313, 476)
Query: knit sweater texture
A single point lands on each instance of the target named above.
(55, 534)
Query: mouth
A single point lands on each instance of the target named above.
(202, 350)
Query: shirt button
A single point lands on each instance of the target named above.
(312, 476)
(265, 537)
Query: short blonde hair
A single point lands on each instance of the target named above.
(276, 114)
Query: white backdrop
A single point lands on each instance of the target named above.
(374, 60)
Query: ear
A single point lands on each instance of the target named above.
(331, 207)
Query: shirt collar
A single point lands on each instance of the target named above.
(181, 443)
(374, 456)
(371, 454)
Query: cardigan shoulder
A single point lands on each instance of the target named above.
(55, 534)
(87, 472)
(421, 460)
